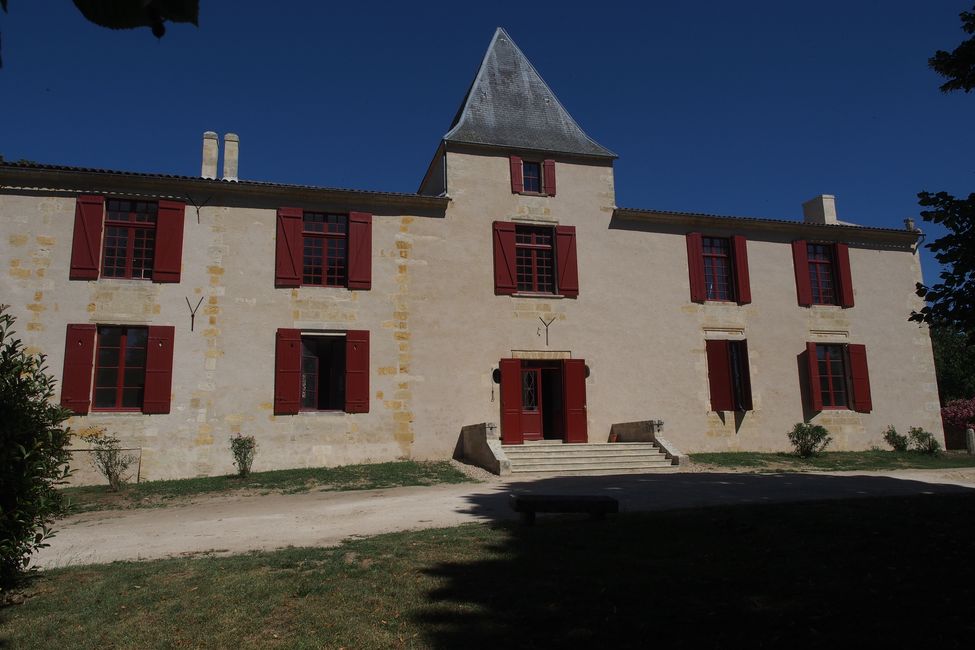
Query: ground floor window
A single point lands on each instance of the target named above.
(728, 375)
(833, 383)
(323, 373)
(838, 377)
(120, 368)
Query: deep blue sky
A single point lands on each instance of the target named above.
(738, 108)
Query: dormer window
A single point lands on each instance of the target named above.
(532, 177)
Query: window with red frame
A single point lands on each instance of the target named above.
(821, 278)
(120, 368)
(532, 176)
(831, 366)
(535, 259)
(717, 268)
(325, 245)
(130, 239)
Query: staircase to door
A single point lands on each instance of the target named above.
(553, 457)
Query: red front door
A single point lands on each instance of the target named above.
(543, 400)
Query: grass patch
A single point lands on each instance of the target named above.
(888, 571)
(287, 481)
(834, 460)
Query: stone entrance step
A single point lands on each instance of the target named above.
(554, 457)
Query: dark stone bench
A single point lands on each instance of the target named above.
(596, 506)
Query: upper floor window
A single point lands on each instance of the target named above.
(532, 176)
(535, 258)
(324, 237)
(718, 268)
(142, 240)
(823, 274)
(532, 259)
(130, 239)
(323, 249)
(821, 280)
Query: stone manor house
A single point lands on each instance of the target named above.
(342, 326)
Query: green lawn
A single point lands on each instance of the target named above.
(834, 460)
(871, 572)
(348, 477)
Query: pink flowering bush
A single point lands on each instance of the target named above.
(959, 413)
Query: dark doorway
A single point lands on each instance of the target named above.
(553, 424)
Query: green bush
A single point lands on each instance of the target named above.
(897, 441)
(923, 441)
(34, 455)
(107, 457)
(809, 439)
(243, 448)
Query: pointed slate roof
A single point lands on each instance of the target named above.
(509, 105)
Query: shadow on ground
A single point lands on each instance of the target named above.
(719, 560)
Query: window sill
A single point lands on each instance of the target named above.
(322, 412)
(542, 194)
(121, 413)
(530, 294)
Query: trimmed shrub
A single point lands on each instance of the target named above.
(243, 448)
(809, 439)
(923, 441)
(107, 457)
(897, 441)
(34, 455)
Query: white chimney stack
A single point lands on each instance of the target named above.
(821, 209)
(231, 151)
(210, 145)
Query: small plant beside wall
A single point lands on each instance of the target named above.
(809, 439)
(897, 441)
(923, 441)
(108, 457)
(244, 448)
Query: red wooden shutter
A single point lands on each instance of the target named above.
(719, 376)
(743, 288)
(357, 371)
(860, 378)
(360, 250)
(843, 276)
(86, 244)
(511, 433)
(745, 396)
(800, 260)
(548, 179)
(287, 372)
(79, 355)
(505, 278)
(288, 253)
(159, 369)
(812, 367)
(517, 177)
(567, 263)
(574, 387)
(168, 260)
(695, 266)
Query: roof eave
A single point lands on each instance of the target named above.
(864, 234)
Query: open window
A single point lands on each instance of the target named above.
(729, 378)
(321, 371)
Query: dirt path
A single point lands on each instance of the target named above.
(225, 525)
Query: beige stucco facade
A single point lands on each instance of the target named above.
(438, 330)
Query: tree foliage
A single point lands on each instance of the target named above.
(954, 363)
(951, 302)
(958, 66)
(33, 454)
